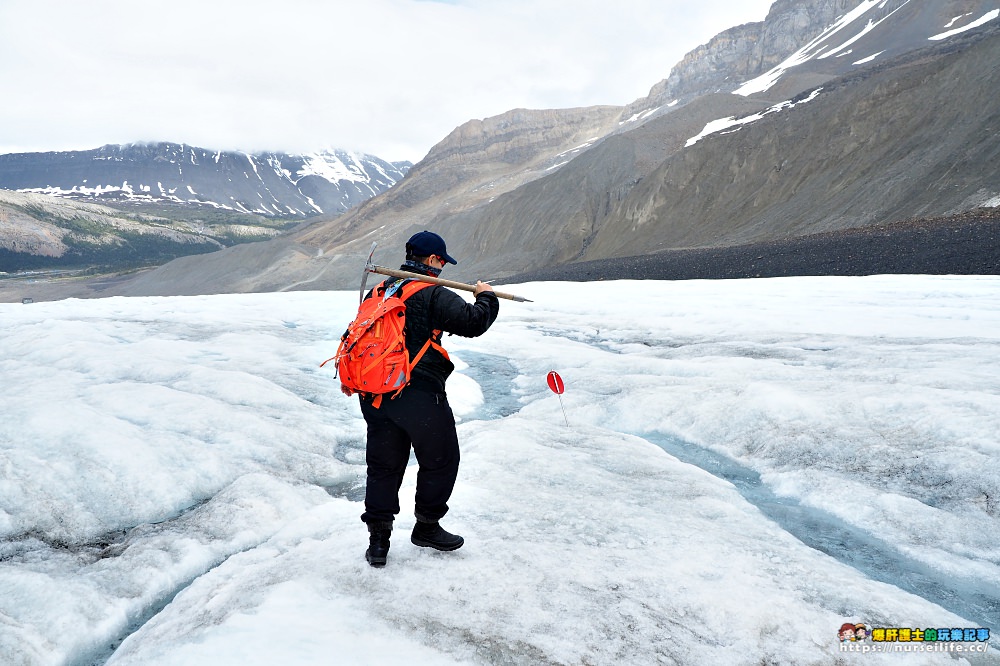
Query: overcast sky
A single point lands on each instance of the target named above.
(386, 77)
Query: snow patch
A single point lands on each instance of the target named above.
(330, 166)
(975, 24)
(726, 123)
(868, 59)
(871, 25)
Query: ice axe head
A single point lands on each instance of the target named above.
(368, 266)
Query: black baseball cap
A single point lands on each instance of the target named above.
(426, 243)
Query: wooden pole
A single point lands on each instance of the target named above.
(391, 272)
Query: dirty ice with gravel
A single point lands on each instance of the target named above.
(747, 466)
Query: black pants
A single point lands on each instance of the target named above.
(425, 421)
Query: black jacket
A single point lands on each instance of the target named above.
(439, 308)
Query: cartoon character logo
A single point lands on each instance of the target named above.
(847, 632)
(860, 632)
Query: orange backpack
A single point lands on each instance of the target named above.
(372, 357)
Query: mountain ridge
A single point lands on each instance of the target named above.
(272, 184)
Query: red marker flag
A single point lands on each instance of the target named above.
(555, 383)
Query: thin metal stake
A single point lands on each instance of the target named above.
(563, 409)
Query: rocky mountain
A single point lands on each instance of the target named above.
(269, 184)
(822, 117)
(828, 115)
(740, 54)
(478, 162)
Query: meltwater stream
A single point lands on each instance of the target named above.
(974, 600)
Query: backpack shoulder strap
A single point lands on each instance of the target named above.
(434, 341)
(380, 290)
(411, 287)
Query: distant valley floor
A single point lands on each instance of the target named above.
(966, 244)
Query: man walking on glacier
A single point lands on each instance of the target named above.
(419, 414)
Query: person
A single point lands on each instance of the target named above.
(419, 415)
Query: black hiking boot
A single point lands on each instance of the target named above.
(378, 543)
(432, 535)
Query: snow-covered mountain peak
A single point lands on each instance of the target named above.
(338, 165)
(273, 184)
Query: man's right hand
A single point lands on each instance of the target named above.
(481, 287)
